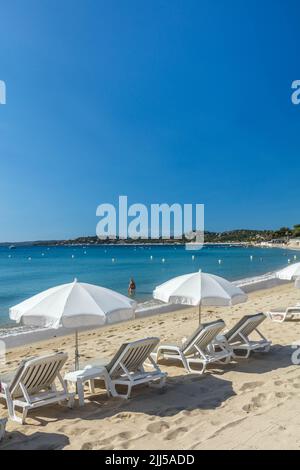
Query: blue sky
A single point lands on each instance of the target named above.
(163, 101)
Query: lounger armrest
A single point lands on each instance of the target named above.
(173, 347)
(292, 309)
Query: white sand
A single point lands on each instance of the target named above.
(250, 404)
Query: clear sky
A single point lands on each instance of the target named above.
(164, 101)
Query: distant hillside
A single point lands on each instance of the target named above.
(282, 235)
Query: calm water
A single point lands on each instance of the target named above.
(26, 271)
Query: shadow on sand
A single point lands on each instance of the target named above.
(182, 394)
(36, 441)
(279, 357)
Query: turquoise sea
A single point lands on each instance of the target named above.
(25, 271)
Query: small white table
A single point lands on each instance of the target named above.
(89, 374)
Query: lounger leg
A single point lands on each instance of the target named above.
(107, 383)
(197, 371)
(80, 392)
(24, 415)
(92, 386)
(11, 408)
(159, 355)
(225, 360)
(182, 358)
(121, 395)
(14, 417)
(71, 400)
(128, 391)
(112, 390)
(9, 404)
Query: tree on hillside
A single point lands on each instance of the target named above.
(296, 231)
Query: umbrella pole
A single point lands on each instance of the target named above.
(77, 355)
(199, 311)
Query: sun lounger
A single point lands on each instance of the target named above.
(237, 338)
(198, 349)
(127, 367)
(34, 385)
(282, 314)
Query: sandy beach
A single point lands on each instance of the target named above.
(246, 404)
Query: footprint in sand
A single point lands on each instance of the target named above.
(157, 427)
(91, 433)
(122, 436)
(176, 433)
(278, 383)
(292, 382)
(280, 395)
(249, 386)
(98, 445)
(104, 443)
(125, 446)
(215, 422)
(87, 446)
(257, 402)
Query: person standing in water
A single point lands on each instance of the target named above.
(131, 287)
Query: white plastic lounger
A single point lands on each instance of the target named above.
(238, 337)
(34, 385)
(198, 349)
(127, 367)
(283, 314)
